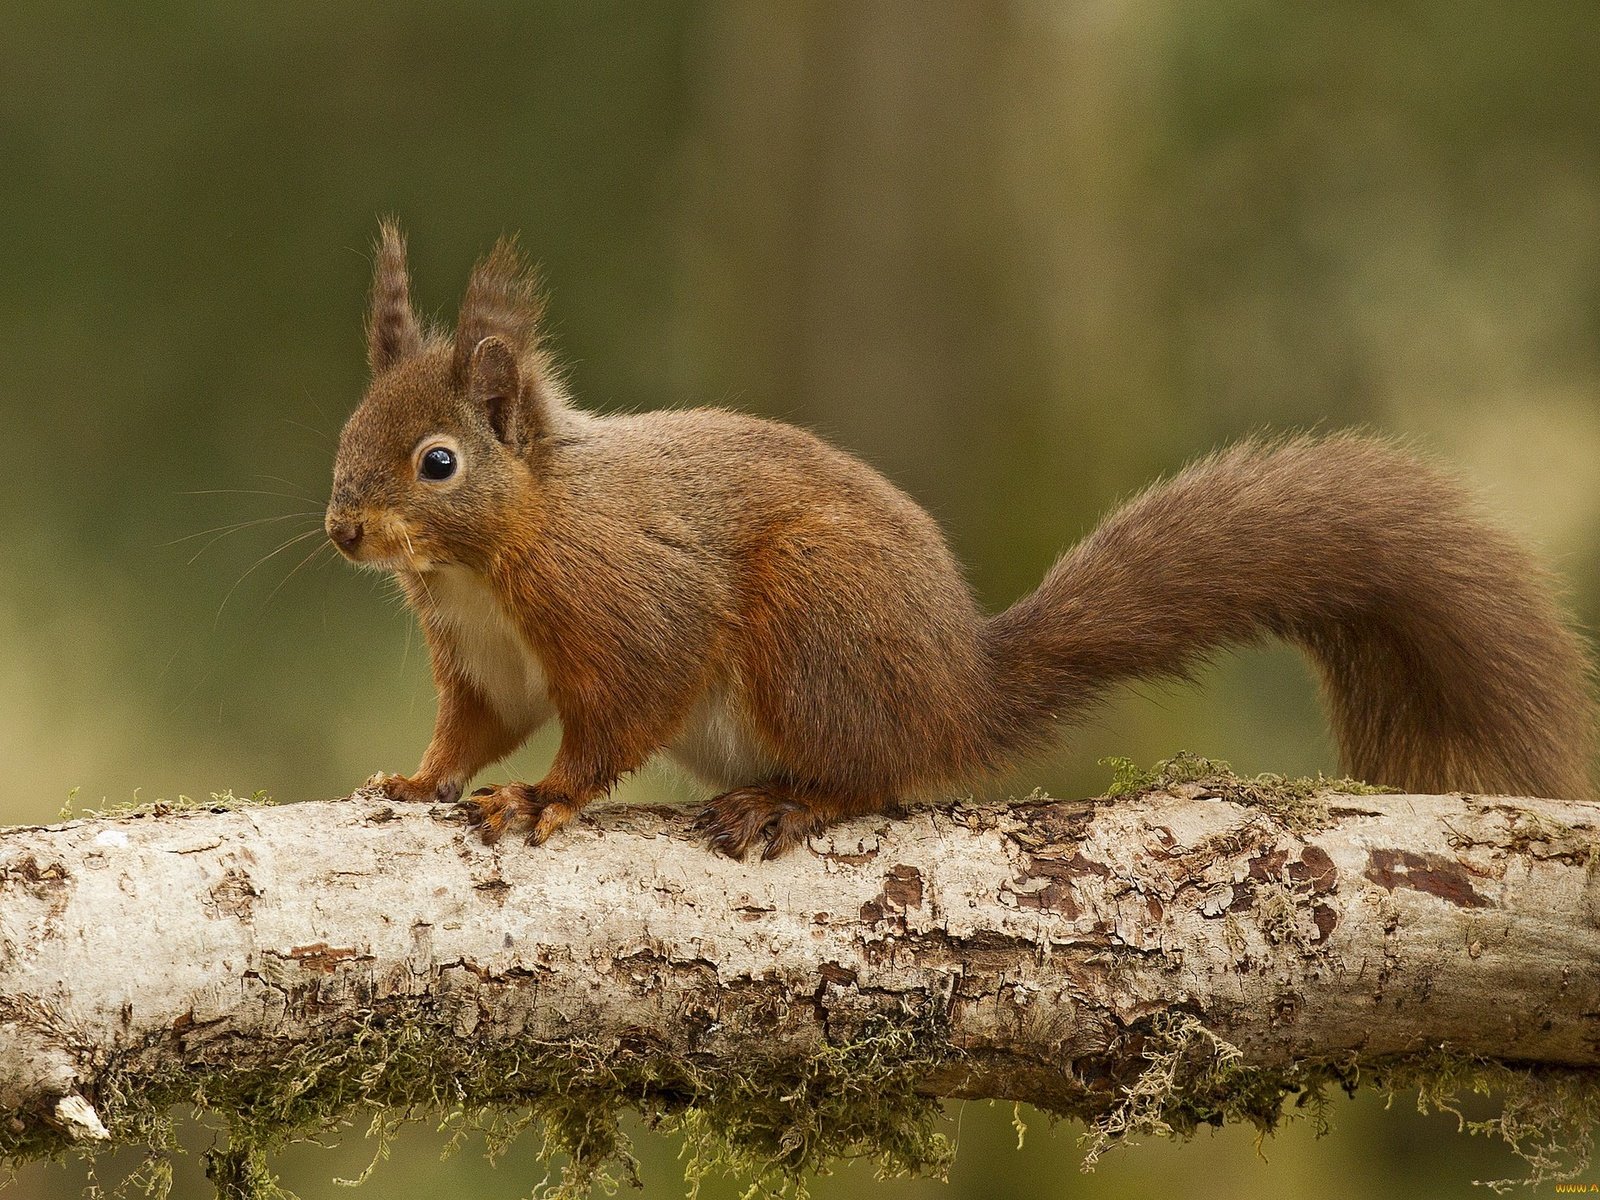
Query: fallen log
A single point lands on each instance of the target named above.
(1197, 952)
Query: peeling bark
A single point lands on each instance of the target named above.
(1034, 942)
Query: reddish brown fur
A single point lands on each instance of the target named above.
(780, 617)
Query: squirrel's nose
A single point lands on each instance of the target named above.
(345, 534)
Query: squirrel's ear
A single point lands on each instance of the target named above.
(494, 383)
(392, 329)
(496, 357)
(502, 301)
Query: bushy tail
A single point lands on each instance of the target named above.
(1445, 660)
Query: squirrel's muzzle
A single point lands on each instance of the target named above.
(345, 534)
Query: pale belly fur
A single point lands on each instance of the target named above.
(715, 742)
(491, 650)
(718, 744)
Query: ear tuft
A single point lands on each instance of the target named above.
(502, 301)
(392, 329)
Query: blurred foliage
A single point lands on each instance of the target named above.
(1023, 256)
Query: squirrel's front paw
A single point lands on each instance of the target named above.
(420, 791)
(493, 810)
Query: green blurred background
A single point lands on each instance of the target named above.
(1022, 256)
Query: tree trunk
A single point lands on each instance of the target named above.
(1042, 951)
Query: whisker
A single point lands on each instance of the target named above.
(223, 531)
(422, 579)
(321, 436)
(201, 679)
(393, 593)
(315, 550)
(193, 557)
(270, 554)
(247, 492)
(305, 393)
(405, 655)
(292, 486)
(236, 525)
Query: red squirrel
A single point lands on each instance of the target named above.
(791, 627)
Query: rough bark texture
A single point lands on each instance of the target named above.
(1027, 950)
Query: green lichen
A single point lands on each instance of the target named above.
(1296, 802)
(1547, 1115)
(1542, 836)
(223, 801)
(1278, 909)
(771, 1120)
(1130, 779)
(1195, 1078)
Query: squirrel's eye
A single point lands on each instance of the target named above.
(438, 464)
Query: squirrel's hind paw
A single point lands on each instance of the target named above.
(737, 822)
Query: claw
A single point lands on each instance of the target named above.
(738, 821)
(554, 815)
(490, 811)
(493, 810)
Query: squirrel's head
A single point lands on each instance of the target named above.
(443, 449)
